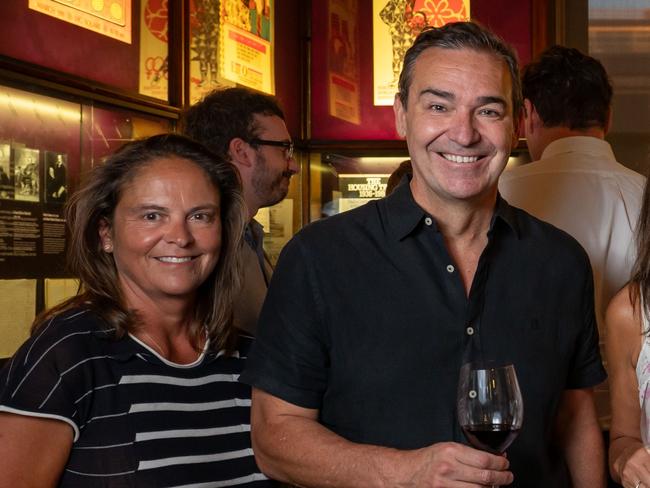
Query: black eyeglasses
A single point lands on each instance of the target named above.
(287, 145)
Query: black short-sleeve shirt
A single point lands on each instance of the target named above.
(367, 320)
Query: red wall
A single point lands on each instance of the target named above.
(288, 31)
(511, 20)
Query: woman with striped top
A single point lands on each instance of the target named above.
(134, 381)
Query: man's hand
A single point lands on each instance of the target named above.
(450, 464)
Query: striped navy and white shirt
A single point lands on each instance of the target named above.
(138, 419)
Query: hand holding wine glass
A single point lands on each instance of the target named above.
(490, 407)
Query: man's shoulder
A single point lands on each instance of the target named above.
(545, 238)
(364, 216)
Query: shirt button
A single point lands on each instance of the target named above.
(450, 268)
(428, 221)
(470, 331)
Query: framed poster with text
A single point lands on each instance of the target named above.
(246, 43)
(110, 18)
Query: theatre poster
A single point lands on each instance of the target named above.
(395, 25)
(245, 50)
(112, 19)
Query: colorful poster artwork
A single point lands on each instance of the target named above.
(6, 177)
(154, 49)
(342, 61)
(110, 18)
(204, 49)
(56, 179)
(396, 24)
(246, 43)
(26, 174)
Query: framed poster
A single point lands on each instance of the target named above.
(204, 48)
(246, 43)
(112, 18)
(343, 64)
(395, 25)
(154, 47)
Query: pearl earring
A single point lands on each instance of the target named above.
(108, 247)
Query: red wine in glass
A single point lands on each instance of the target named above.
(494, 438)
(490, 407)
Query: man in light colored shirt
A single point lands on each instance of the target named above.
(575, 182)
(247, 128)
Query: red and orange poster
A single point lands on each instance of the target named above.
(154, 48)
(396, 24)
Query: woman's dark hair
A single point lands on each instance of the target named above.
(640, 282)
(94, 205)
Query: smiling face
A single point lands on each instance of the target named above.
(165, 233)
(458, 126)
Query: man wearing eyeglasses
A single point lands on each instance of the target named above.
(247, 128)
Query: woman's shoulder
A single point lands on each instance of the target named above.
(73, 322)
(64, 336)
(624, 328)
(623, 313)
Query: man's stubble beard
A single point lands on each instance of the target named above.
(268, 190)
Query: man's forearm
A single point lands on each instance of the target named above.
(291, 445)
(303, 452)
(581, 440)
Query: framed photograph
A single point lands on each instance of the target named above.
(56, 179)
(6, 177)
(26, 174)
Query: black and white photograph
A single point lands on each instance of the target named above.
(56, 184)
(6, 180)
(26, 174)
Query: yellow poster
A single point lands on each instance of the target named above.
(246, 37)
(154, 49)
(342, 61)
(111, 18)
(396, 24)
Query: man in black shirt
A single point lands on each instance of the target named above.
(371, 313)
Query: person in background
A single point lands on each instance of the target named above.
(133, 382)
(247, 129)
(396, 176)
(371, 313)
(575, 182)
(628, 348)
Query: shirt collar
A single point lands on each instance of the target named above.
(582, 144)
(404, 214)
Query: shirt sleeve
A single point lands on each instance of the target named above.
(45, 378)
(587, 368)
(290, 356)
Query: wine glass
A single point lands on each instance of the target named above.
(490, 407)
